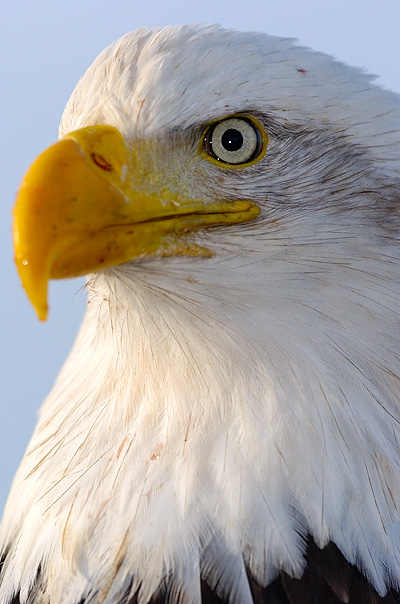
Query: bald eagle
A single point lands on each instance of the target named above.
(226, 427)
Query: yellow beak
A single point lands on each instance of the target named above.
(77, 212)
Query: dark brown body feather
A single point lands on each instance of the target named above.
(327, 579)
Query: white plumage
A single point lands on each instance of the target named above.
(215, 411)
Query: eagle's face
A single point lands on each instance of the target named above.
(235, 200)
(304, 167)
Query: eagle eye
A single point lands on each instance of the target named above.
(234, 140)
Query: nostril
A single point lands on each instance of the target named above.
(101, 162)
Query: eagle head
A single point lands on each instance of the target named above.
(228, 419)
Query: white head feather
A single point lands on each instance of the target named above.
(215, 410)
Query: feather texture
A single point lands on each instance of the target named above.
(328, 578)
(227, 428)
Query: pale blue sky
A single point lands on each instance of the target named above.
(46, 45)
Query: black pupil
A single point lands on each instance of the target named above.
(232, 139)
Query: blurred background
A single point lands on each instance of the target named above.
(46, 46)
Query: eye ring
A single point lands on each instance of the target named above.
(234, 141)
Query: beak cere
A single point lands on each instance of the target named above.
(76, 213)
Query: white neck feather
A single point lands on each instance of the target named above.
(208, 433)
